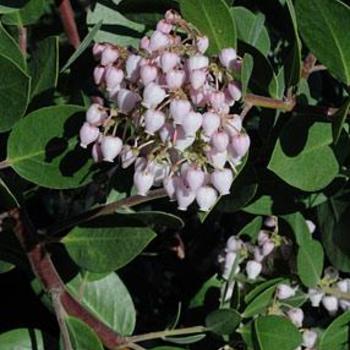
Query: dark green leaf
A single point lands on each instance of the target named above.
(339, 119)
(50, 154)
(14, 93)
(252, 228)
(223, 321)
(27, 15)
(214, 19)
(322, 24)
(260, 288)
(5, 266)
(298, 225)
(246, 72)
(260, 303)
(189, 339)
(7, 6)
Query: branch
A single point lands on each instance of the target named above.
(267, 102)
(45, 271)
(22, 39)
(68, 21)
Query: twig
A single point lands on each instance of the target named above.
(268, 102)
(22, 39)
(337, 293)
(4, 164)
(68, 21)
(308, 65)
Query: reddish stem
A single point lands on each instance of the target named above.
(22, 39)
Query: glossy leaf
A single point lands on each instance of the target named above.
(215, 21)
(50, 156)
(23, 339)
(223, 321)
(260, 288)
(339, 119)
(27, 15)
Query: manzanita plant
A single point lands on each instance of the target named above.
(177, 180)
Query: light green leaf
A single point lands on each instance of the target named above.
(189, 339)
(223, 321)
(246, 72)
(276, 333)
(23, 339)
(27, 15)
(44, 148)
(83, 46)
(339, 119)
(310, 260)
(214, 19)
(108, 299)
(322, 23)
(44, 66)
(14, 93)
(305, 160)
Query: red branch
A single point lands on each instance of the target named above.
(22, 39)
(45, 271)
(68, 21)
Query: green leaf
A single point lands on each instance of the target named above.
(339, 119)
(310, 262)
(23, 339)
(246, 72)
(305, 160)
(297, 224)
(44, 66)
(251, 29)
(214, 19)
(14, 93)
(10, 49)
(7, 6)
(223, 321)
(115, 27)
(83, 46)
(252, 228)
(5, 266)
(27, 15)
(44, 148)
(189, 339)
(322, 23)
(298, 300)
(276, 332)
(108, 299)
(336, 336)
(106, 248)
(81, 335)
(261, 287)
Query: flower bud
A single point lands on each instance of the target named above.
(315, 296)
(88, 134)
(175, 79)
(168, 61)
(217, 100)
(194, 178)
(258, 255)
(309, 338)
(154, 120)
(311, 226)
(128, 156)
(202, 43)
(191, 123)
(344, 285)
(284, 291)
(216, 158)
(182, 140)
(109, 55)
(97, 50)
(113, 77)
(344, 304)
(222, 180)
(98, 74)
(230, 259)
(158, 41)
(179, 109)
(220, 141)
(233, 126)
(127, 100)
(96, 114)
(160, 171)
(166, 133)
(197, 62)
(211, 123)
(144, 43)
(240, 144)
(169, 184)
(296, 315)
(153, 95)
(206, 198)
(199, 97)
(143, 181)
(164, 27)
(132, 67)
(148, 74)
(253, 269)
(330, 303)
(234, 88)
(171, 16)
(267, 247)
(96, 152)
(270, 222)
(227, 57)
(184, 196)
(263, 237)
(233, 244)
(198, 78)
(111, 146)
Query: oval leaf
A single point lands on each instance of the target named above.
(223, 322)
(22, 338)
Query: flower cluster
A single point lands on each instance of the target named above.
(167, 110)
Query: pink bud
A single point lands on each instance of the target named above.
(206, 198)
(140, 164)
(183, 141)
(330, 303)
(184, 196)
(233, 126)
(198, 78)
(168, 61)
(171, 16)
(164, 27)
(202, 43)
(158, 41)
(263, 237)
(154, 120)
(111, 147)
(284, 291)
(211, 123)
(97, 50)
(113, 77)
(153, 95)
(194, 178)
(197, 62)
(160, 171)
(128, 156)
(143, 181)
(222, 180)
(132, 67)
(217, 100)
(267, 248)
(191, 123)
(296, 315)
(127, 100)
(216, 158)
(270, 222)
(179, 109)
(240, 144)
(233, 244)
(148, 74)
(88, 134)
(99, 72)
(96, 114)
(175, 79)
(109, 55)
(227, 57)
(253, 269)
(144, 43)
(220, 141)
(96, 152)
(199, 97)
(309, 338)
(169, 184)
(258, 255)
(235, 90)
(166, 133)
